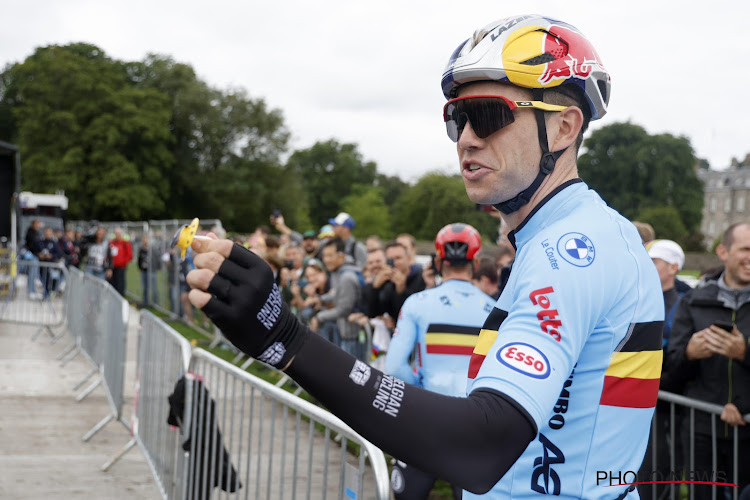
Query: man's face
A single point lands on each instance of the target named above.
(118, 234)
(400, 261)
(48, 233)
(667, 273)
(410, 250)
(310, 245)
(295, 255)
(341, 232)
(737, 258)
(375, 262)
(332, 258)
(499, 167)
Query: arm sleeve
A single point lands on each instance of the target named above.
(471, 442)
(402, 345)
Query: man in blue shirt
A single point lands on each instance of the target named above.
(442, 324)
(565, 373)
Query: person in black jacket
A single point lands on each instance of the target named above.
(394, 283)
(713, 361)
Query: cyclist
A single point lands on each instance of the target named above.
(565, 374)
(442, 324)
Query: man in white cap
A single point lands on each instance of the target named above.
(668, 258)
(356, 252)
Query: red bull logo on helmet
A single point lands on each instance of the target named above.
(574, 55)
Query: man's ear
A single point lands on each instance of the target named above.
(569, 122)
(722, 252)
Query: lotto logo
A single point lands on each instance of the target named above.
(547, 317)
(524, 358)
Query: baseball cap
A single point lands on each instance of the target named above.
(326, 232)
(315, 263)
(342, 219)
(310, 233)
(666, 250)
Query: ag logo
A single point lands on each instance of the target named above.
(524, 358)
(576, 249)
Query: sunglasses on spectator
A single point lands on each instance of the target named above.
(485, 113)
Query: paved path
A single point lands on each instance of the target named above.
(42, 455)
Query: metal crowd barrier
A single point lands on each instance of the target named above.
(32, 292)
(163, 357)
(267, 443)
(98, 324)
(682, 410)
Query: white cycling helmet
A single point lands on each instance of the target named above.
(534, 52)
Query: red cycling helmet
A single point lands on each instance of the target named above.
(458, 242)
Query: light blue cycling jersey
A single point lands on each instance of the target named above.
(443, 323)
(575, 340)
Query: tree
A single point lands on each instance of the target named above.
(665, 221)
(634, 171)
(83, 128)
(367, 205)
(434, 201)
(329, 171)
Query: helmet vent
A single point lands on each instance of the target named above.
(540, 59)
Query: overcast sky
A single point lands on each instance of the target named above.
(369, 72)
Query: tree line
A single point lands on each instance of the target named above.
(150, 140)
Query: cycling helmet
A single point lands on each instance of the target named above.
(534, 52)
(538, 53)
(458, 242)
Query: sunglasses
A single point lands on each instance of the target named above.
(485, 113)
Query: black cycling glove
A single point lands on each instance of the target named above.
(246, 304)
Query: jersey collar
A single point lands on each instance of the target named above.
(527, 227)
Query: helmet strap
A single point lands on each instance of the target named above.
(546, 163)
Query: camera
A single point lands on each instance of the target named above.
(389, 262)
(276, 213)
(289, 264)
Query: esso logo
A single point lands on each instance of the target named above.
(524, 358)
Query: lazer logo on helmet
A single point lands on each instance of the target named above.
(524, 358)
(505, 27)
(574, 56)
(547, 317)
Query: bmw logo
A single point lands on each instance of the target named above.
(576, 249)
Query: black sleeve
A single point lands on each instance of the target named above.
(677, 368)
(471, 442)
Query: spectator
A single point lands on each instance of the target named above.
(148, 264)
(645, 231)
(373, 242)
(122, 254)
(442, 324)
(345, 290)
(486, 277)
(355, 251)
(310, 244)
(99, 256)
(33, 242)
(307, 298)
(668, 258)
(712, 360)
(34, 237)
(410, 243)
(394, 283)
(70, 249)
(49, 251)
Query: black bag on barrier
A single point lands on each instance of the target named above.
(224, 473)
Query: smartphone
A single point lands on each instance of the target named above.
(724, 325)
(276, 213)
(389, 262)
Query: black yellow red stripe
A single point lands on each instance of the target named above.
(450, 339)
(632, 377)
(487, 336)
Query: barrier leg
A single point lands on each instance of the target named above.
(39, 331)
(55, 339)
(98, 427)
(66, 351)
(85, 378)
(88, 390)
(70, 356)
(109, 463)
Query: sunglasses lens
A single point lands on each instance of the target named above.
(485, 115)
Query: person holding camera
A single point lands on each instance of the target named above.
(394, 283)
(708, 350)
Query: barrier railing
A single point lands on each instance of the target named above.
(271, 443)
(98, 324)
(32, 293)
(163, 357)
(680, 440)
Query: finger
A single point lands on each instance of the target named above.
(244, 257)
(211, 261)
(216, 308)
(222, 247)
(231, 271)
(212, 236)
(220, 287)
(200, 278)
(199, 298)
